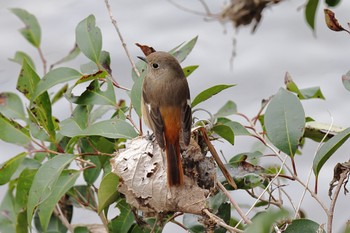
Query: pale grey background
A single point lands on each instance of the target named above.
(283, 42)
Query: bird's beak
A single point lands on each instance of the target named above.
(142, 58)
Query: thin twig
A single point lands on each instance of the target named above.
(215, 155)
(42, 59)
(114, 22)
(221, 222)
(234, 203)
(63, 218)
(342, 178)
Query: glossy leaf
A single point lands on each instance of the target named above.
(65, 181)
(113, 128)
(310, 12)
(123, 222)
(20, 56)
(8, 168)
(208, 93)
(264, 221)
(225, 132)
(13, 132)
(229, 108)
(328, 149)
(45, 180)
(303, 225)
(89, 38)
(31, 31)
(136, 93)
(285, 121)
(11, 106)
(189, 70)
(107, 193)
(184, 50)
(54, 77)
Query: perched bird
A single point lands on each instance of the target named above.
(166, 109)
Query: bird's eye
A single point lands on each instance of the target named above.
(155, 65)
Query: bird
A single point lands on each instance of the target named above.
(166, 109)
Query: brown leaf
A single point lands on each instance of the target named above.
(146, 49)
(331, 22)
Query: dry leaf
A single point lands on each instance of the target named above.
(331, 22)
(339, 170)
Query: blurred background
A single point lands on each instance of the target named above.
(282, 42)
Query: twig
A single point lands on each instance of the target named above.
(63, 219)
(114, 22)
(217, 158)
(42, 59)
(221, 222)
(310, 171)
(342, 178)
(234, 203)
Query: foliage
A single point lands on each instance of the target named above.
(42, 180)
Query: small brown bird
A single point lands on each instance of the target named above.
(166, 109)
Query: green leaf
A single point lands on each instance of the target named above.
(25, 181)
(11, 106)
(123, 222)
(8, 215)
(229, 108)
(8, 168)
(208, 93)
(27, 80)
(89, 38)
(264, 221)
(65, 181)
(237, 128)
(13, 132)
(316, 131)
(81, 229)
(20, 56)
(332, 3)
(303, 225)
(113, 128)
(183, 52)
(59, 94)
(70, 56)
(94, 95)
(22, 223)
(306, 93)
(45, 180)
(189, 70)
(285, 121)
(346, 80)
(310, 12)
(54, 77)
(136, 93)
(31, 31)
(107, 193)
(83, 196)
(225, 132)
(328, 149)
(91, 174)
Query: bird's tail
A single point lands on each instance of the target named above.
(174, 165)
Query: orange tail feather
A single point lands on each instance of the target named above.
(174, 165)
